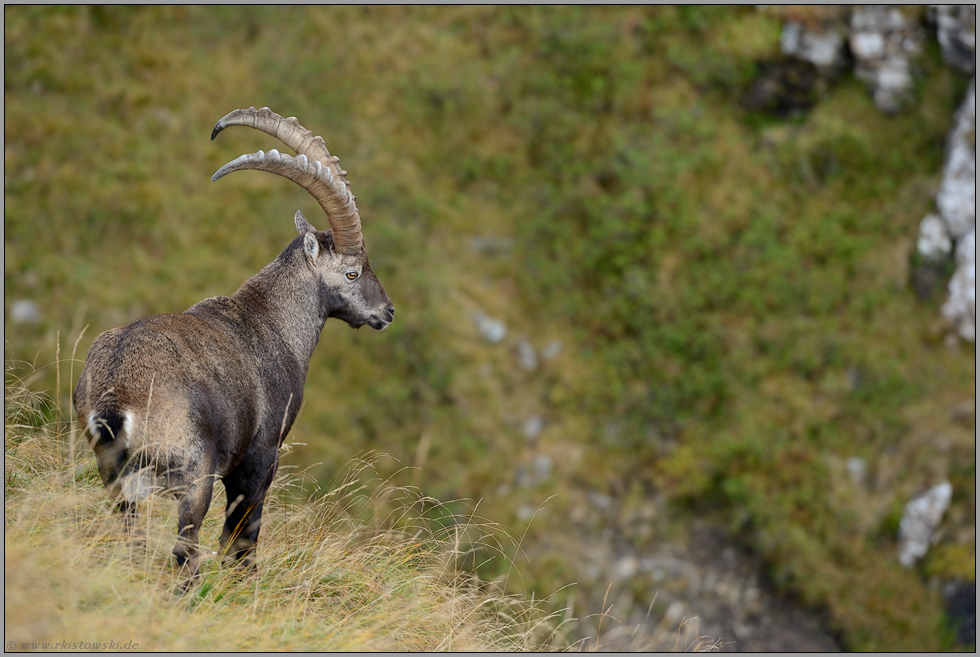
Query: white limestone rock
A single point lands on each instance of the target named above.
(934, 241)
(956, 29)
(920, 520)
(957, 203)
(25, 311)
(823, 47)
(957, 197)
(884, 43)
(961, 307)
(492, 330)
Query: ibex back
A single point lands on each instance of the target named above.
(174, 402)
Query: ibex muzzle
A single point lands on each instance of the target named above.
(174, 402)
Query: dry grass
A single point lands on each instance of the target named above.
(356, 569)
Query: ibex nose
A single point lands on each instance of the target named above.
(391, 313)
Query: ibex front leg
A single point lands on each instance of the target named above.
(246, 487)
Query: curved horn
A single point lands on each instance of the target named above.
(340, 208)
(332, 195)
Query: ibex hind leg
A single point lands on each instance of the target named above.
(246, 487)
(191, 509)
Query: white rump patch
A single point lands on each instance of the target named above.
(125, 432)
(127, 429)
(92, 425)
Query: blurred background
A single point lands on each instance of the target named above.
(661, 310)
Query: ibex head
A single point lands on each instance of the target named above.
(336, 258)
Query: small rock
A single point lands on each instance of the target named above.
(542, 466)
(532, 427)
(492, 330)
(24, 311)
(867, 45)
(525, 353)
(551, 350)
(675, 613)
(919, 521)
(858, 469)
(934, 242)
(626, 567)
(491, 245)
(822, 47)
(525, 512)
(600, 500)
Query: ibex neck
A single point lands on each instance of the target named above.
(286, 301)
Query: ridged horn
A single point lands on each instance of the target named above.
(329, 180)
(319, 182)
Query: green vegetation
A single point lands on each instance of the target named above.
(731, 290)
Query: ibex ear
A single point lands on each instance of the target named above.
(312, 246)
(302, 225)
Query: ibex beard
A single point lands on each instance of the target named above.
(173, 402)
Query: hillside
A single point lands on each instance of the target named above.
(635, 305)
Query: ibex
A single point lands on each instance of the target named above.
(176, 401)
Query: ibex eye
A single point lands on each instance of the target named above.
(351, 275)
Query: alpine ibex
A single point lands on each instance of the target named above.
(175, 401)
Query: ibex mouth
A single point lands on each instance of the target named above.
(379, 322)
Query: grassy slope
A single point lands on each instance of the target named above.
(328, 579)
(731, 291)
